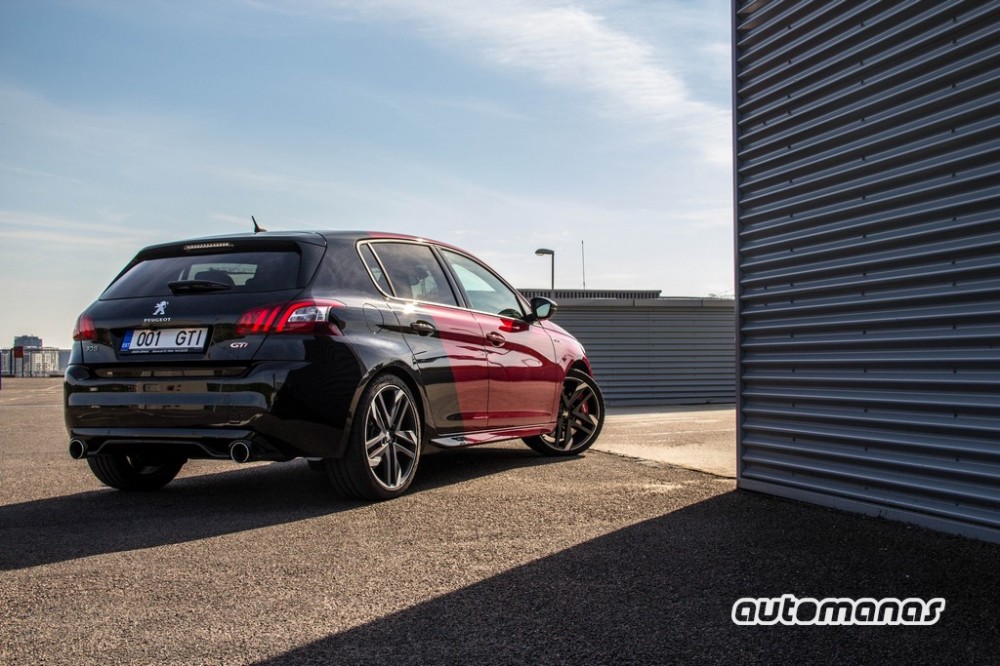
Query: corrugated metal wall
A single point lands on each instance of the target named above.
(868, 256)
(657, 351)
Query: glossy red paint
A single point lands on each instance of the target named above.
(448, 352)
(295, 369)
(524, 376)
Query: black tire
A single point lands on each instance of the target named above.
(384, 446)
(134, 473)
(580, 419)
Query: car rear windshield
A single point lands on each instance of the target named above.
(242, 272)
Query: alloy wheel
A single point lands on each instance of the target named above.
(392, 441)
(580, 415)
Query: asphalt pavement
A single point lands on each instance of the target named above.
(496, 556)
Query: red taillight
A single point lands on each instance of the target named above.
(298, 317)
(84, 328)
(257, 320)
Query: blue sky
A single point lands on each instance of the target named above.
(499, 126)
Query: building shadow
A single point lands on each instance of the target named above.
(662, 592)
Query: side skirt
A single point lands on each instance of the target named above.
(491, 436)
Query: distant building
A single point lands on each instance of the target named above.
(648, 350)
(30, 358)
(28, 341)
(31, 362)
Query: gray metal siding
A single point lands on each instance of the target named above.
(657, 352)
(868, 256)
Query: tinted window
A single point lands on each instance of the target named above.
(375, 269)
(246, 272)
(414, 272)
(486, 292)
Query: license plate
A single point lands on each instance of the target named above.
(165, 340)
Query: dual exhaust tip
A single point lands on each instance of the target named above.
(240, 450)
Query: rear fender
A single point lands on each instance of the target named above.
(409, 377)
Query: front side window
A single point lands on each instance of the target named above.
(486, 292)
(414, 272)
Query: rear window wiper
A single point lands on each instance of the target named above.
(180, 286)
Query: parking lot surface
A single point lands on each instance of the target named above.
(496, 556)
(701, 438)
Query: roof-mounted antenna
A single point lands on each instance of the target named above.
(256, 228)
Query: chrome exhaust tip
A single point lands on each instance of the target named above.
(240, 451)
(77, 449)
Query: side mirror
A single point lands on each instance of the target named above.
(541, 309)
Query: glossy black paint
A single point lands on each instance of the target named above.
(296, 394)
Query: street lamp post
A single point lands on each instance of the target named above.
(542, 252)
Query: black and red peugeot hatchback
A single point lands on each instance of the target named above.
(351, 349)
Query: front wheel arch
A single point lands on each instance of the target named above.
(579, 420)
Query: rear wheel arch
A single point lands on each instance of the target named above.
(383, 449)
(407, 377)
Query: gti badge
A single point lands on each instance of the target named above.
(239, 345)
(161, 308)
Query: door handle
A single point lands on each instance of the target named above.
(496, 339)
(421, 327)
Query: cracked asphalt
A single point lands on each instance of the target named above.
(496, 556)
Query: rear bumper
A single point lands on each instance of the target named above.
(187, 443)
(278, 406)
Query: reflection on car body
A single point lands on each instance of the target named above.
(352, 349)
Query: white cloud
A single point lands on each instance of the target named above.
(15, 225)
(479, 106)
(86, 181)
(565, 46)
(106, 131)
(241, 221)
(39, 174)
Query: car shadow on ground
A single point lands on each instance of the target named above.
(662, 591)
(195, 507)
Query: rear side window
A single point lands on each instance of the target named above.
(415, 273)
(375, 269)
(243, 272)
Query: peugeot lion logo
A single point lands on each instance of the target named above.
(159, 310)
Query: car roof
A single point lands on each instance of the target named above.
(312, 237)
